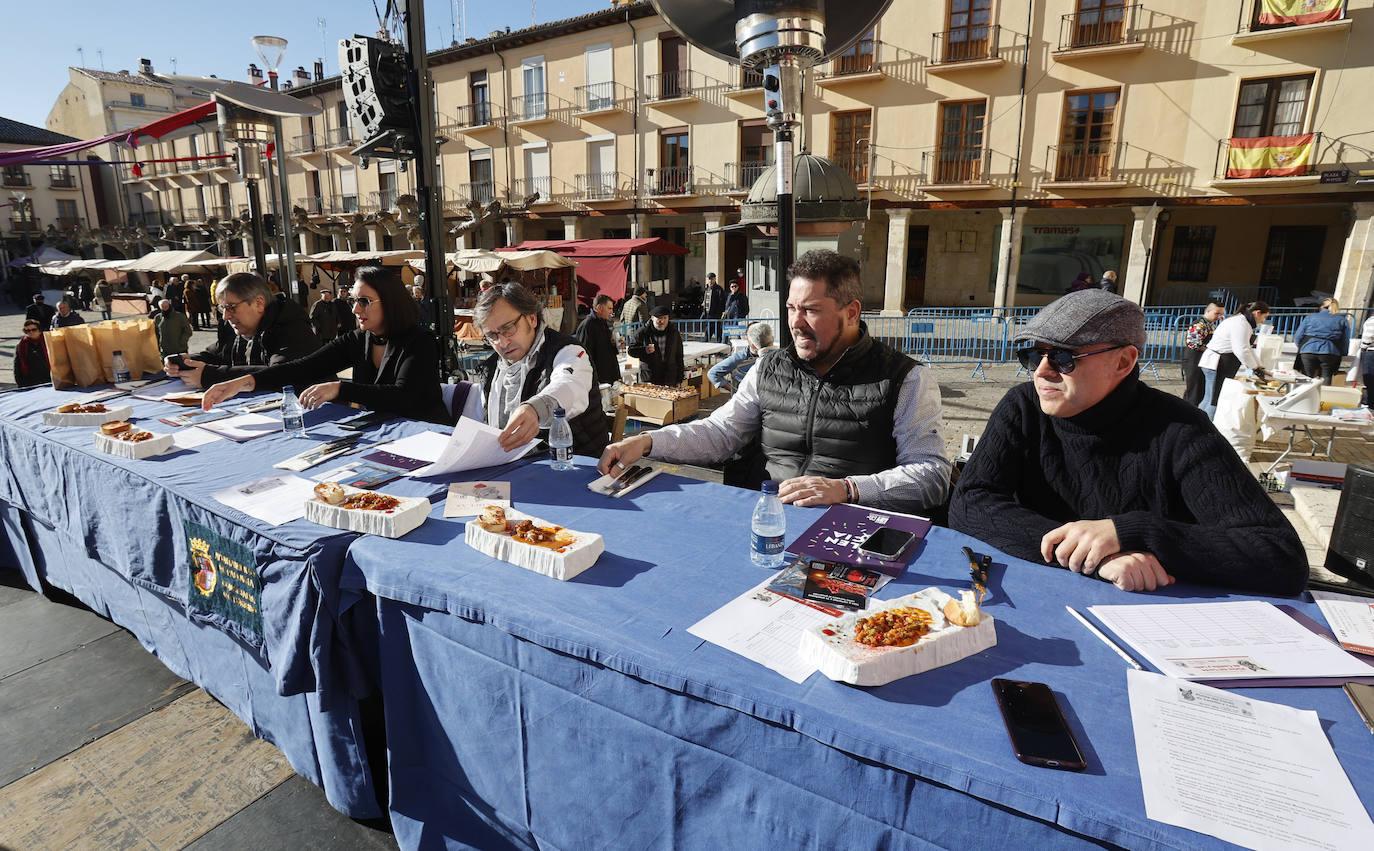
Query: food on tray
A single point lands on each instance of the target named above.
(659, 391)
(133, 435)
(115, 427)
(369, 501)
(897, 627)
(330, 492)
(964, 611)
(493, 518)
(77, 408)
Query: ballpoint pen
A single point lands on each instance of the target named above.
(628, 478)
(1104, 639)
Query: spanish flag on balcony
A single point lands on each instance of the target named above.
(1300, 11)
(1269, 156)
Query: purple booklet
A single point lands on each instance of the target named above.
(868, 537)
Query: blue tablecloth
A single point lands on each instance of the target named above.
(110, 531)
(583, 714)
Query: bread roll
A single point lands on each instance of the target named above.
(115, 427)
(964, 611)
(330, 492)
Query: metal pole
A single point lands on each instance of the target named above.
(782, 154)
(281, 196)
(255, 213)
(427, 194)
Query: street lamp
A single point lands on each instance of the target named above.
(270, 50)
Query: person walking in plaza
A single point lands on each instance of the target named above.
(635, 310)
(66, 317)
(712, 298)
(1086, 467)
(198, 303)
(104, 299)
(1323, 338)
(1108, 281)
(1195, 341)
(1231, 345)
(658, 345)
(41, 312)
(839, 416)
(31, 365)
(1084, 281)
(394, 362)
(173, 330)
(1366, 359)
(737, 302)
(597, 337)
(176, 292)
(324, 317)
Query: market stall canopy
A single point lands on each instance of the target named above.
(348, 258)
(163, 261)
(248, 264)
(475, 261)
(48, 259)
(603, 264)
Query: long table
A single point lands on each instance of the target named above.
(583, 714)
(112, 533)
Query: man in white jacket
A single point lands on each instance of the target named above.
(1230, 347)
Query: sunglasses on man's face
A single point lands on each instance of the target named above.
(1062, 361)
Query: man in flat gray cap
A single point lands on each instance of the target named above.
(1087, 468)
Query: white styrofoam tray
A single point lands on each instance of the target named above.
(581, 554)
(843, 659)
(155, 445)
(53, 418)
(398, 521)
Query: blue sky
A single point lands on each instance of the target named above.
(213, 38)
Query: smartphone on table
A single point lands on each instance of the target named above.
(886, 542)
(1039, 734)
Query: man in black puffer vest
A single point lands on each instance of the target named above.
(534, 370)
(839, 416)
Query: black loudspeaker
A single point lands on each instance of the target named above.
(1351, 551)
(374, 74)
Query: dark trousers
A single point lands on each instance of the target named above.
(1367, 375)
(1320, 366)
(1194, 380)
(1227, 367)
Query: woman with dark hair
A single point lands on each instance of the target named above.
(1232, 344)
(394, 359)
(31, 365)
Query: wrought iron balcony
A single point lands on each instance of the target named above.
(603, 97)
(481, 191)
(338, 137)
(744, 174)
(472, 116)
(864, 58)
(854, 164)
(971, 44)
(956, 166)
(16, 177)
(674, 180)
(678, 85)
(343, 203)
(1267, 157)
(1083, 162)
(1101, 27)
(66, 181)
(599, 186)
(304, 144)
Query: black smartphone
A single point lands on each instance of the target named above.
(1036, 725)
(886, 543)
(362, 422)
(177, 361)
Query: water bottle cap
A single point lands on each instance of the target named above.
(770, 486)
(287, 388)
(559, 412)
(119, 352)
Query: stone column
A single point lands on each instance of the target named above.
(374, 239)
(463, 239)
(515, 231)
(1131, 283)
(1355, 280)
(571, 226)
(1013, 219)
(715, 247)
(894, 282)
(303, 237)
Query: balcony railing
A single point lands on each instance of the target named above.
(343, 203)
(471, 117)
(27, 224)
(384, 199)
(533, 107)
(192, 214)
(1099, 27)
(524, 187)
(854, 164)
(674, 180)
(744, 174)
(149, 219)
(598, 186)
(66, 181)
(1083, 162)
(303, 144)
(965, 45)
(481, 191)
(145, 107)
(601, 97)
(675, 85)
(313, 205)
(864, 60)
(217, 211)
(17, 178)
(338, 137)
(956, 166)
(745, 79)
(1268, 157)
(1257, 24)
(69, 223)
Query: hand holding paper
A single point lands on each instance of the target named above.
(473, 445)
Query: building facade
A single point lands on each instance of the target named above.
(1005, 147)
(43, 201)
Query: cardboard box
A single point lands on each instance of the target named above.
(661, 411)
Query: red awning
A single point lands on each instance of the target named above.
(156, 130)
(602, 264)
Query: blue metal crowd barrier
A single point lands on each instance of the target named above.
(1229, 296)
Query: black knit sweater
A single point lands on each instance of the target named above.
(1147, 460)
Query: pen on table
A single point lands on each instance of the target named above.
(630, 476)
(1101, 636)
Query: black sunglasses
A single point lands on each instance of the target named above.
(1062, 361)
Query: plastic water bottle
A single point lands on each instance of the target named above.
(292, 414)
(120, 367)
(769, 527)
(560, 438)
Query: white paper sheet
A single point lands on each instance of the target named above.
(273, 500)
(468, 499)
(424, 446)
(471, 446)
(1249, 639)
(1258, 774)
(244, 426)
(1350, 617)
(763, 627)
(190, 438)
(155, 390)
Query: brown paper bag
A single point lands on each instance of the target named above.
(137, 338)
(59, 362)
(104, 335)
(82, 354)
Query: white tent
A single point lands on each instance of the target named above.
(385, 258)
(50, 260)
(475, 261)
(164, 261)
